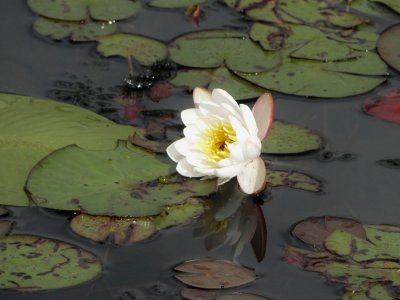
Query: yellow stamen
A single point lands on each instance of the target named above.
(216, 141)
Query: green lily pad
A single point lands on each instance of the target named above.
(127, 230)
(36, 263)
(286, 138)
(389, 48)
(126, 181)
(215, 48)
(77, 31)
(307, 78)
(218, 78)
(393, 4)
(32, 128)
(241, 5)
(292, 179)
(146, 50)
(362, 38)
(78, 10)
(5, 227)
(174, 3)
(210, 273)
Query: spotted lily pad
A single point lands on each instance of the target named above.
(37, 263)
(32, 128)
(218, 78)
(196, 294)
(126, 181)
(215, 48)
(79, 10)
(174, 3)
(286, 138)
(146, 50)
(77, 31)
(126, 230)
(214, 274)
(292, 179)
(389, 48)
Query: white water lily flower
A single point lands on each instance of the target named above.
(223, 139)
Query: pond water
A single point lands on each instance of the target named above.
(358, 188)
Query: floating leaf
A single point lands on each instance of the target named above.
(174, 3)
(307, 78)
(393, 4)
(292, 179)
(5, 227)
(214, 274)
(218, 78)
(314, 231)
(36, 263)
(78, 10)
(386, 108)
(146, 50)
(32, 128)
(286, 138)
(78, 32)
(195, 294)
(215, 48)
(119, 182)
(389, 48)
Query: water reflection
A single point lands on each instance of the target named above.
(235, 219)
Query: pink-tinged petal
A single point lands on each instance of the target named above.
(252, 178)
(263, 111)
(241, 132)
(201, 95)
(249, 120)
(230, 171)
(173, 152)
(190, 116)
(221, 181)
(186, 169)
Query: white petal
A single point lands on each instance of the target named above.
(252, 148)
(198, 159)
(205, 171)
(186, 169)
(173, 152)
(252, 178)
(214, 111)
(201, 95)
(190, 116)
(237, 151)
(230, 171)
(241, 133)
(183, 147)
(249, 120)
(221, 181)
(263, 111)
(192, 133)
(223, 97)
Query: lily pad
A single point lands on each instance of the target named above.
(146, 50)
(218, 78)
(386, 108)
(393, 4)
(37, 263)
(196, 294)
(388, 48)
(174, 3)
(126, 181)
(292, 179)
(77, 31)
(307, 78)
(32, 128)
(215, 48)
(286, 138)
(79, 10)
(210, 273)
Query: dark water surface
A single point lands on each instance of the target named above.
(358, 188)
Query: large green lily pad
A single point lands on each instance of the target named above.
(37, 263)
(215, 48)
(292, 179)
(77, 31)
(174, 3)
(286, 138)
(78, 10)
(126, 181)
(389, 47)
(146, 50)
(32, 128)
(218, 78)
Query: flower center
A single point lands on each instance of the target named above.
(216, 141)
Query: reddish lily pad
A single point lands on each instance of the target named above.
(386, 108)
(214, 274)
(314, 231)
(389, 48)
(195, 294)
(292, 179)
(36, 263)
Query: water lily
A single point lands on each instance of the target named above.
(223, 139)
